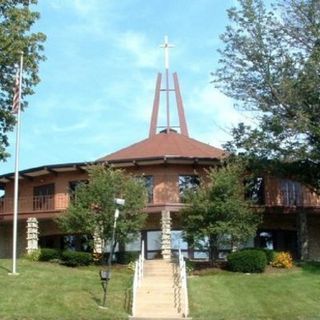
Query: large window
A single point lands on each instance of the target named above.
(187, 182)
(73, 186)
(291, 193)
(255, 190)
(148, 183)
(43, 197)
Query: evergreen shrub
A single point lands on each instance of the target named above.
(127, 257)
(270, 254)
(248, 261)
(48, 254)
(76, 258)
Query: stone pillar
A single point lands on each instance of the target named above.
(32, 235)
(98, 246)
(303, 235)
(166, 234)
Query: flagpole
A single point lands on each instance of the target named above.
(16, 177)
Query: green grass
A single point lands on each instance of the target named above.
(292, 294)
(49, 291)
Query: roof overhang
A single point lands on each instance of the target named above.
(30, 174)
(122, 163)
(55, 169)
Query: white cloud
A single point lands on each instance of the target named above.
(145, 54)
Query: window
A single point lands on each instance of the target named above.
(43, 197)
(148, 183)
(291, 194)
(255, 190)
(73, 186)
(188, 182)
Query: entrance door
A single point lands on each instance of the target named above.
(152, 244)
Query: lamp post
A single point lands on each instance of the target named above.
(105, 275)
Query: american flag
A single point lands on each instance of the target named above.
(16, 94)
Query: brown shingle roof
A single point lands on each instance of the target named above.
(164, 144)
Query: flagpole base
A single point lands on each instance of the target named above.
(13, 273)
(102, 307)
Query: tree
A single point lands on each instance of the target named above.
(16, 20)
(217, 210)
(270, 65)
(92, 209)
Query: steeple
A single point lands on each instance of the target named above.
(176, 90)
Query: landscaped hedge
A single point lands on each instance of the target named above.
(76, 258)
(127, 257)
(47, 254)
(248, 261)
(270, 254)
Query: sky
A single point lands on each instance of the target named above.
(97, 83)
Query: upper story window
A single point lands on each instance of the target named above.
(43, 197)
(291, 192)
(148, 183)
(188, 182)
(255, 190)
(73, 186)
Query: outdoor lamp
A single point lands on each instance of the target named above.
(105, 275)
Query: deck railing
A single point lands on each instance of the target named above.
(183, 284)
(35, 204)
(138, 275)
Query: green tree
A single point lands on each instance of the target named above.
(92, 209)
(218, 210)
(16, 21)
(270, 64)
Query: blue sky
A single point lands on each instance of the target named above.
(97, 84)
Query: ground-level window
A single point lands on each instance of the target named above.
(43, 197)
(187, 182)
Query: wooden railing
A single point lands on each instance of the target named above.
(35, 204)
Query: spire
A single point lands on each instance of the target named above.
(155, 111)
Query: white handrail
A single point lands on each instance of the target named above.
(183, 280)
(138, 275)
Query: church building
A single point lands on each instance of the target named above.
(170, 161)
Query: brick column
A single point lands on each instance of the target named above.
(98, 246)
(32, 235)
(166, 234)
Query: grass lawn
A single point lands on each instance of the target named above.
(289, 294)
(46, 291)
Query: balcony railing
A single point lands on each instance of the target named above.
(35, 204)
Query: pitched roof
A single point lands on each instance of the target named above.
(163, 144)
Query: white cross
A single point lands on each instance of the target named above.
(166, 47)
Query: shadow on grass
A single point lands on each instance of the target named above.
(310, 267)
(5, 269)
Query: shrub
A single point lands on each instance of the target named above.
(34, 255)
(270, 254)
(249, 261)
(76, 258)
(48, 254)
(127, 257)
(283, 260)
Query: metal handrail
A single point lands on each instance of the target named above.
(183, 282)
(138, 276)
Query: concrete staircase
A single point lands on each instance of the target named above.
(159, 296)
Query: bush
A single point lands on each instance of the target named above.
(127, 257)
(76, 258)
(248, 261)
(270, 254)
(48, 254)
(283, 260)
(34, 255)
